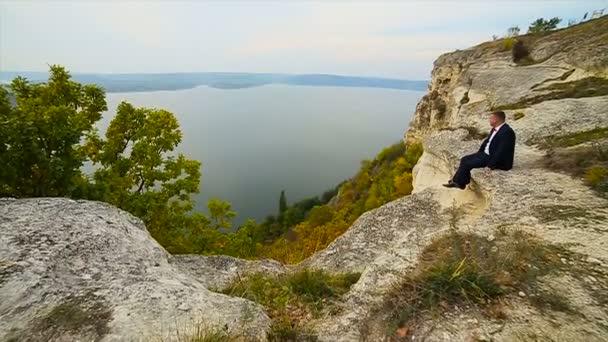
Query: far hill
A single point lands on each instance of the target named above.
(114, 83)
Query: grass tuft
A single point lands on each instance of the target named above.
(292, 299)
(464, 268)
(205, 334)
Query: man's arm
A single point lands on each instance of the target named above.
(483, 145)
(507, 140)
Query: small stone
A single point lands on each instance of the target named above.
(491, 238)
(564, 261)
(184, 307)
(593, 260)
(521, 294)
(592, 279)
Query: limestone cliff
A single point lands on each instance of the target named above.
(561, 89)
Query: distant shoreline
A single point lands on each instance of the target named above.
(122, 83)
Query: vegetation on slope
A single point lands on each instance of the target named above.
(293, 299)
(580, 154)
(462, 269)
(387, 177)
(586, 87)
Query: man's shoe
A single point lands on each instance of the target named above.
(452, 184)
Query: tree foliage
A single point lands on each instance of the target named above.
(49, 133)
(513, 31)
(543, 25)
(282, 202)
(42, 133)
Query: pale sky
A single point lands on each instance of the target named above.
(398, 39)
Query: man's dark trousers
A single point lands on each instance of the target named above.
(468, 163)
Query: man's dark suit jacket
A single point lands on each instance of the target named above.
(502, 148)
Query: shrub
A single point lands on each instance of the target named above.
(465, 98)
(596, 175)
(597, 178)
(519, 51)
(542, 25)
(507, 43)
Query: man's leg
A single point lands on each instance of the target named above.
(462, 176)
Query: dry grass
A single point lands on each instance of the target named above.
(292, 299)
(464, 268)
(586, 87)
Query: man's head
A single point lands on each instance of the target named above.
(497, 118)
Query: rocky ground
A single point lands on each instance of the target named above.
(86, 271)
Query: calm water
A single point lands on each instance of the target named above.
(255, 142)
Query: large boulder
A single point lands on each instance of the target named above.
(86, 271)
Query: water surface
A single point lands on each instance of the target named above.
(254, 142)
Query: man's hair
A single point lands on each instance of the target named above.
(501, 115)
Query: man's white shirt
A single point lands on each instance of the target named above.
(487, 149)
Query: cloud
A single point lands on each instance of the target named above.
(384, 38)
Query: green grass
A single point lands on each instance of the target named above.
(582, 155)
(205, 334)
(292, 299)
(466, 269)
(586, 87)
(573, 139)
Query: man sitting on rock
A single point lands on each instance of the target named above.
(496, 152)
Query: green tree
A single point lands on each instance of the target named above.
(282, 202)
(42, 133)
(221, 213)
(542, 25)
(513, 31)
(243, 242)
(138, 170)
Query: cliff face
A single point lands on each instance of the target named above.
(466, 84)
(559, 92)
(77, 270)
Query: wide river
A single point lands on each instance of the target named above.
(254, 142)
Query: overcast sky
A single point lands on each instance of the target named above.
(371, 38)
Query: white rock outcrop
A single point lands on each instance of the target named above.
(87, 271)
